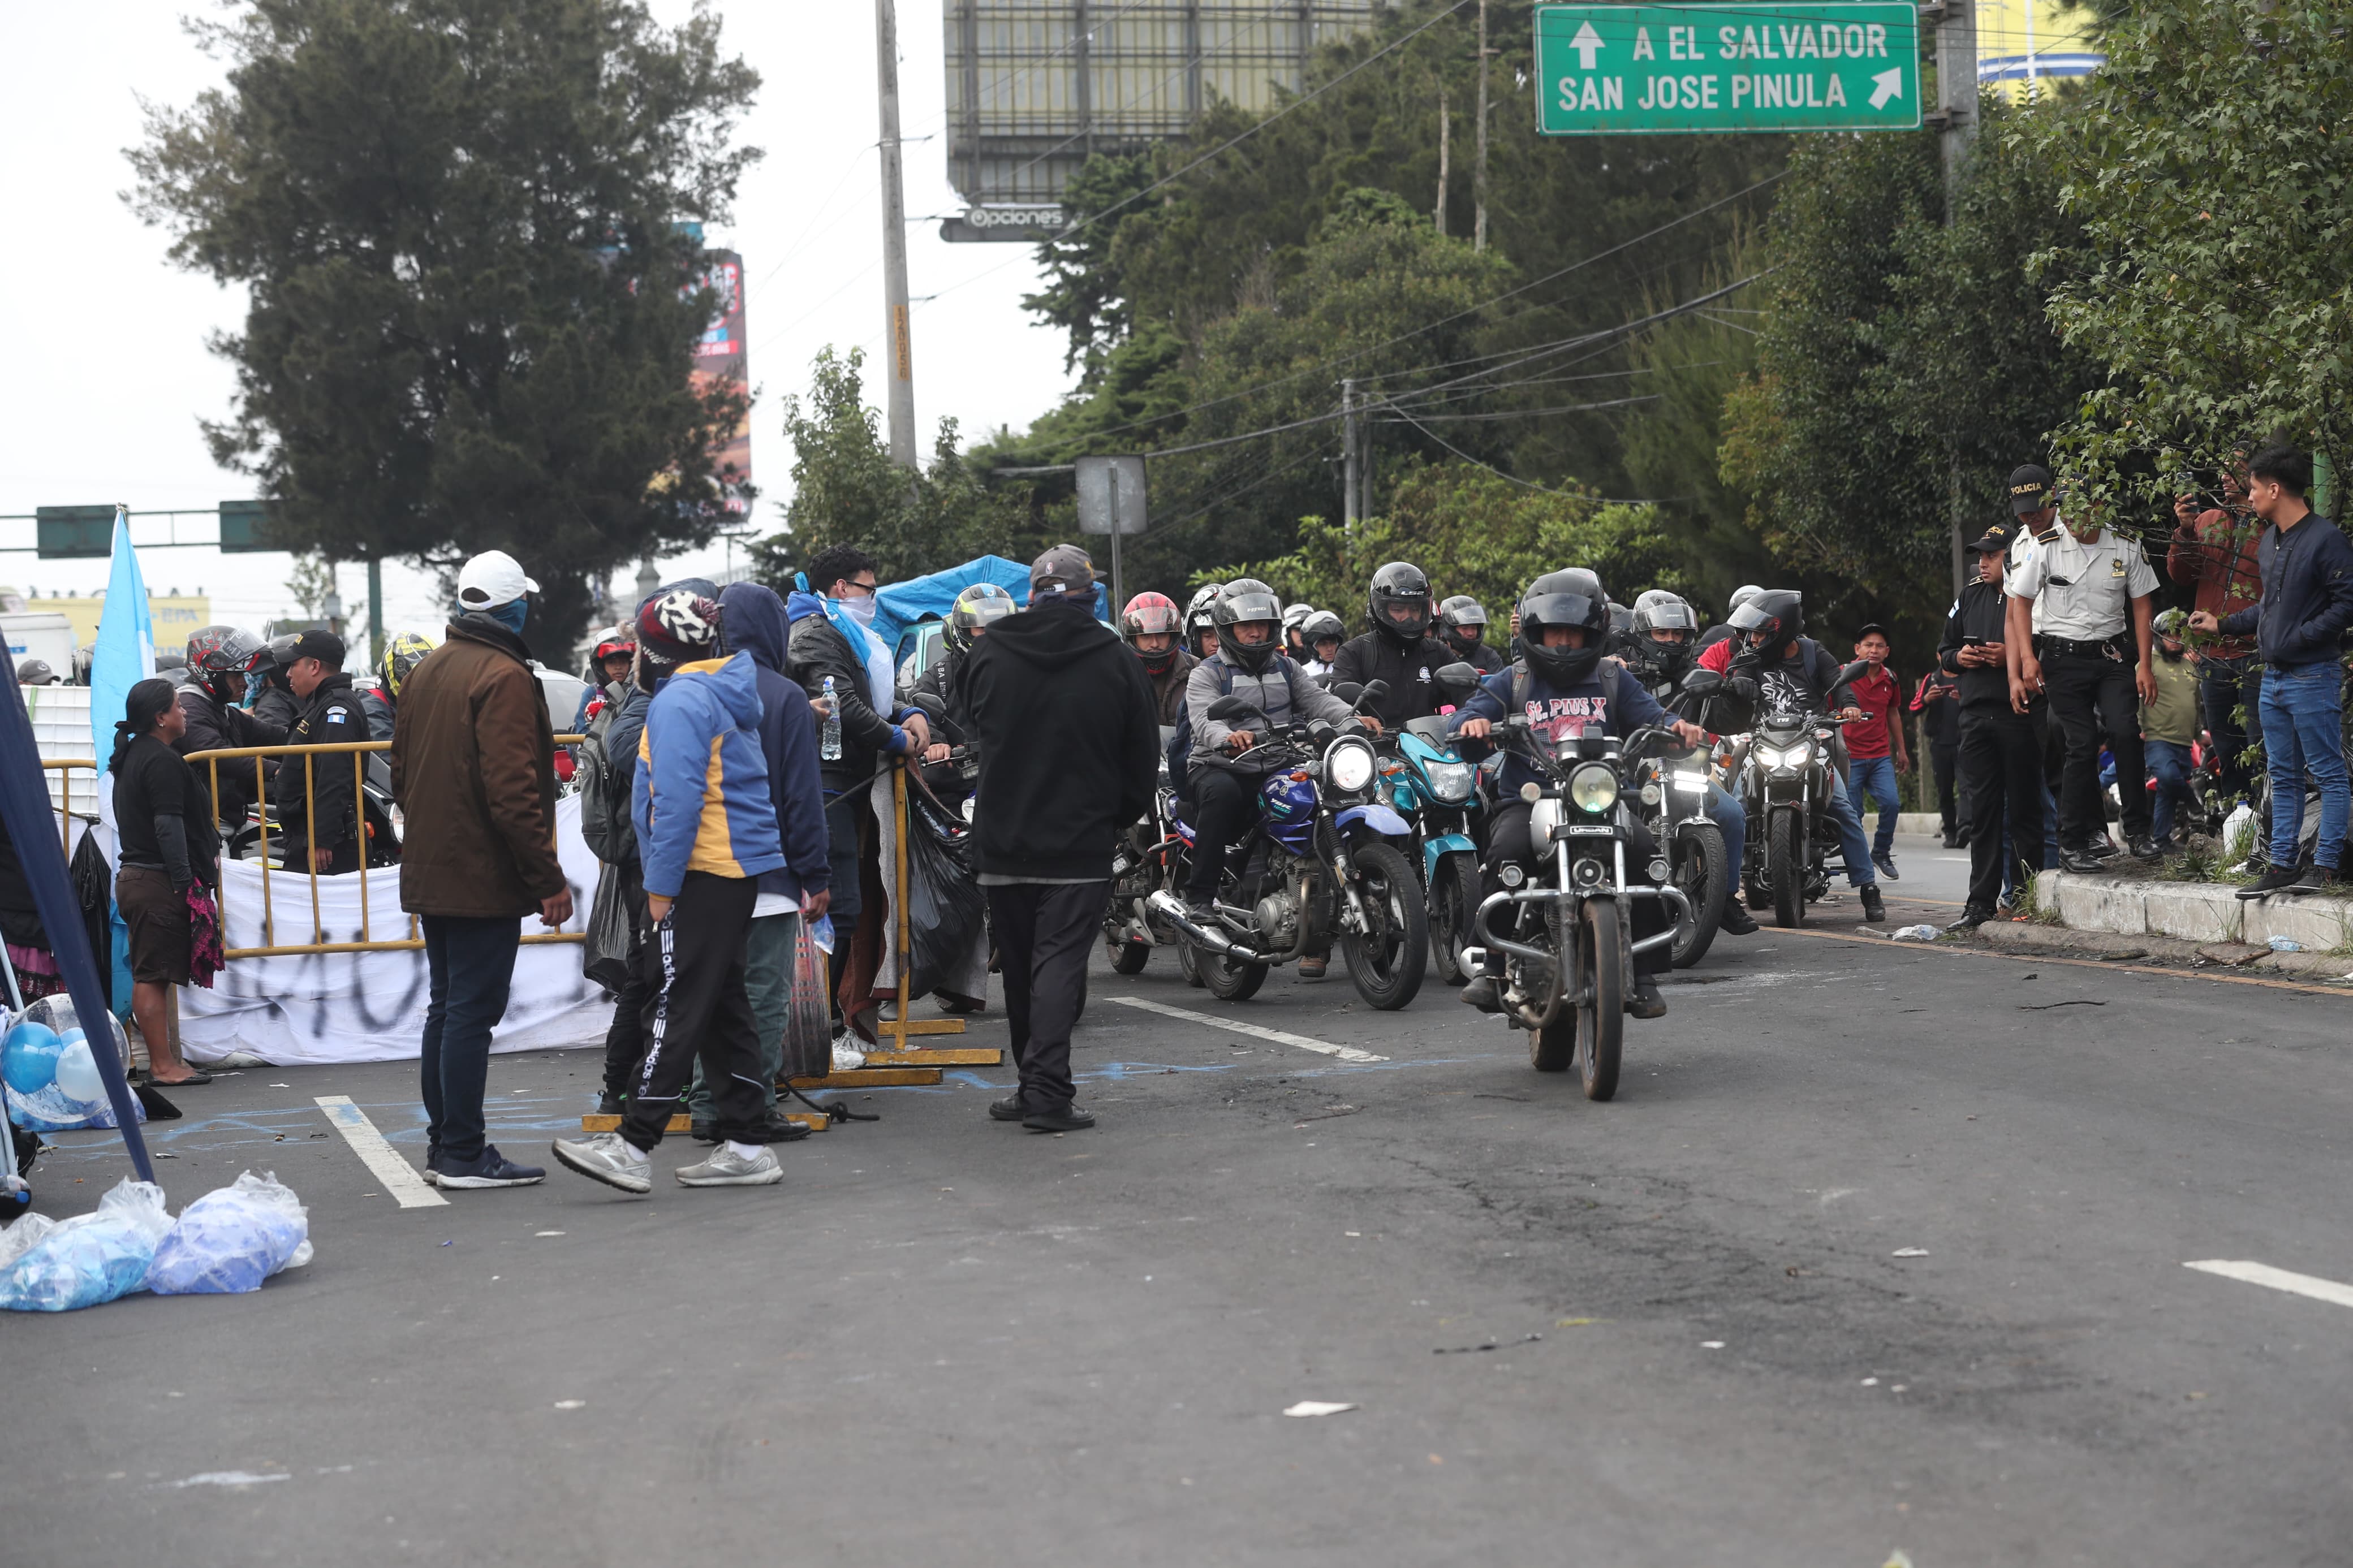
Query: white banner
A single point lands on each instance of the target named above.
(302, 1009)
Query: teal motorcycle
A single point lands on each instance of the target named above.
(1433, 788)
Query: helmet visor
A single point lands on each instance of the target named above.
(1468, 616)
(1563, 610)
(1749, 619)
(1250, 608)
(979, 612)
(1407, 611)
(1673, 619)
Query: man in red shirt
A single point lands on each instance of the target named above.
(2213, 550)
(1874, 748)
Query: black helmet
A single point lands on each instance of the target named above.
(1200, 619)
(1776, 615)
(1247, 599)
(972, 613)
(1570, 598)
(1322, 626)
(271, 661)
(1461, 623)
(217, 652)
(1656, 611)
(1399, 603)
(1621, 618)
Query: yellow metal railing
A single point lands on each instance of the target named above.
(66, 813)
(261, 755)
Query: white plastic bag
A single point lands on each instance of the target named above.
(91, 1258)
(2239, 836)
(19, 1238)
(1915, 933)
(232, 1239)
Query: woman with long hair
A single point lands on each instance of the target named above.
(167, 855)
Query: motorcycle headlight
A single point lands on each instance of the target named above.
(1594, 788)
(1348, 766)
(1450, 782)
(1797, 756)
(1692, 783)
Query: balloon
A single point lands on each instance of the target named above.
(28, 1058)
(77, 1074)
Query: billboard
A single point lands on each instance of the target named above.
(721, 357)
(2025, 46)
(1035, 87)
(173, 616)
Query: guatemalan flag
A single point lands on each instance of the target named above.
(123, 656)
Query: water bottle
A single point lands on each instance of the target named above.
(830, 745)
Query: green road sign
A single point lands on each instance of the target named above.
(66, 533)
(240, 527)
(1619, 70)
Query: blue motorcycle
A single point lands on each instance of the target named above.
(1433, 788)
(1320, 865)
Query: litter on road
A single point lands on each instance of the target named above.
(1316, 1407)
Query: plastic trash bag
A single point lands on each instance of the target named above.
(51, 1071)
(946, 910)
(93, 1257)
(605, 955)
(2239, 836)
(19, 1238)
(1914, 933)
(232, 1239)
(809, 1018)
(2286, 944)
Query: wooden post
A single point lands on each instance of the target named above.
(897, 1055)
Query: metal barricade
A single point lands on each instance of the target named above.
(63, 805)
(311, 757)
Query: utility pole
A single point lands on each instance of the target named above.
(1957, 122)
(375, 611)
(901, 372)
(1348, 455)
(1444, 139)
(1479, 173)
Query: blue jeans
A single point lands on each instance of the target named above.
(1876, 777)
(1731, 820)
(470, 962)
(1859, 872)
(2302, 714)
(2169, 765)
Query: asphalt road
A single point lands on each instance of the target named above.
(1673, 1329)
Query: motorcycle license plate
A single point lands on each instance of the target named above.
(1584, 830)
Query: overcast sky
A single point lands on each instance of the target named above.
(108, 371)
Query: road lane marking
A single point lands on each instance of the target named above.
(2277, 1279)
(399, 1177)
(1322, 1048)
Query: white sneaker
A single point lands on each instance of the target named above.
(726, 1168)
(603, 1158)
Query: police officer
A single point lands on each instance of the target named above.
(331, 714)
(2000, 758)
(2078, 629)
(1399, 650)
(1463, 628)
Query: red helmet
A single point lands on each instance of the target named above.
(1150, 615)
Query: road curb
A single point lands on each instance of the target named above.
(2185, 922)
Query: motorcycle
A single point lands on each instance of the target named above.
(1319, 863)
(1672, 784)
(1149, 857)
(1785, 786)
(1434, 789)
(1569, 952)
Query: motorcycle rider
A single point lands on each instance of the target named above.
(1223, 785)
(1323, 634)
(404, 653)
(1621, 628)
(1399, 649)
(1463, 628)
(218, 657)
(1201, 622)
(969, 617)
(1660, 653)
(1793, 673)
(1293, 645)
(1565, 687)
(274, 702)
(1719, 632)
(1150, 624)
(608, 667)
(331, 714)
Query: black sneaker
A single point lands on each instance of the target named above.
(1971, 917)
(1886, 864)
(1482, 993)
(1646, 1002)
(2316, 879)
(488, 1168)
(1952, 841)
(2271, 882)
(1060, 1119)
(1875, 908)
(1736, 922)
(611, 1105)
(2082, 861)
(703, 1132)
(1007, 1110)
(1198, 911)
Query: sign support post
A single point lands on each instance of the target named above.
(1957, 110)
(899, 376)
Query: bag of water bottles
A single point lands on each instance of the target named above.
(232, 1239)
(91, 1258)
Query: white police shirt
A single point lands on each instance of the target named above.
(2082, 592)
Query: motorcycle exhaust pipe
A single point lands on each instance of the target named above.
(1171, 908)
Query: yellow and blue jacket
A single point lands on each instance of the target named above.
(700, 796)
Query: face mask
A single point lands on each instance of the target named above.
(512, 614)
(859, 609)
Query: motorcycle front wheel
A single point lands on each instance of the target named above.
(1701, 872)
(1601, 1017)
(1387, 961)
(1453, 903)
(1785, 862)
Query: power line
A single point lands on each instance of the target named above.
(1514, 479)
(1531, 413)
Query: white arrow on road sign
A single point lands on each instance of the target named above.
(1887, 84)
(1587, 45)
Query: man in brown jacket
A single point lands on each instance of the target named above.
(473, 771)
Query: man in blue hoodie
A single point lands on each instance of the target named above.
(706, 833)
(752, 620)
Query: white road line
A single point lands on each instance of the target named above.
(1322, 1048)
(398, 1176)
(2277, 1279)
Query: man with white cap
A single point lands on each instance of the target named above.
(473, 770)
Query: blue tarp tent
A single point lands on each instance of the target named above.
(901, 605)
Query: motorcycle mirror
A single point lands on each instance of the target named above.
(1701, 683)
(1854, 671)
(933, 707)
(1346, 690)
(1458, 679)
(1374, 691)
(1230, 708)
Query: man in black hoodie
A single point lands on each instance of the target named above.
(1398, 651)
(1069, 750)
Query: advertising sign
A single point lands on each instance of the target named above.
(1618, 70)
(721, 358)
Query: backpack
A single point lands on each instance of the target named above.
(605, 824)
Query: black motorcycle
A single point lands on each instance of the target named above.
(1784, 783)
(1671, 781)
(1150, 856)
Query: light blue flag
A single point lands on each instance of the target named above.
(123, 656)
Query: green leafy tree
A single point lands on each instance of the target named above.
(2207, 168)
(471, 313)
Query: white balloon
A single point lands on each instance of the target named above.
(78, 1076)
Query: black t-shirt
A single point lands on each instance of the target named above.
(151, 781)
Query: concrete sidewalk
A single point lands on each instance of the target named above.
(2206, 918)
